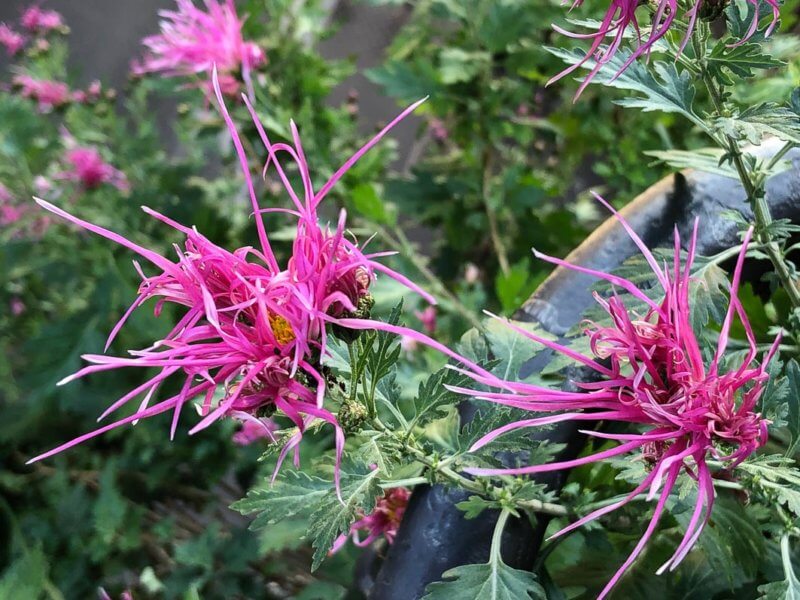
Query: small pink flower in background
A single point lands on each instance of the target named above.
(652, 376)
(42, 45)
(383, 521)
(428, 319)
(11, 40)
(42, 185)
(438, 130)
(17, 306)
(193, 40)
(86, 166)
(472, 273)
(9, 213)
(49, 94)
(620, 18)
(254, 429)
(36, 20)
(91, 94)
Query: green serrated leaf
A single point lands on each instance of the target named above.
(773, 404)
(433, 398)
(475, 505)
(492, 581)
(732, 542)
(774, 474)
(667, 91)
(332, 516)
(26, 577)
(512, 349)
(293, 494)
(707, 296)
(706, 160)
(406, 80)
(757, 122)
(789, 588)
(457, 65)
(109, 510)
(740, 60)
(793, 402)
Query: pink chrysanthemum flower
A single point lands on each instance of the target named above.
(11, 40)
(49, 94)
(192, 41)
(653, 376)
(36, 20)
(383, 521)
(620, 19)
(253, 333)
(9, 213)
(254, 429)
(86, 166)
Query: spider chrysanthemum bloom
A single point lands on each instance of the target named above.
(383, 521)
(193, 40)
(253, 333)
(652, 376)
(621, 20)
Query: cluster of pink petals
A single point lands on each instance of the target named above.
(253, 333)
(620, 19)
(8, 212)
(11, 40)
(192, 41)
(17, 306)
(49, 94)
(653, 376)
(18, 220)
(86, 166)
(383, 521)
(36, 20)
(254, 429)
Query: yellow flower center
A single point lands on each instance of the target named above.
(281, 329)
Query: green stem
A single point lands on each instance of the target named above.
(408, 482)
(497, 536)
(779, 155)
(353, 373)
(481, 489)
(491, 216)
(753, 185)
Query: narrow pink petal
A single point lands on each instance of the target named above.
(673, 475)
(363, 150)
(558, 466)
(237, 143)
